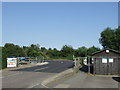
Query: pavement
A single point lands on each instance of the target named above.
(28, 77)
(84, 80)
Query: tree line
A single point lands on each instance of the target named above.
(110, 38)
(34, 50)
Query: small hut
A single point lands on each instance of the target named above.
(106, 62)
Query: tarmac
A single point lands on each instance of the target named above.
(23, 66)
(84, 80)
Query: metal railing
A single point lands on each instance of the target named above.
(30, 60)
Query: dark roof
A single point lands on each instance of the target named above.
(106, 49)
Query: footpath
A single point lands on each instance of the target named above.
(84, 80)
(71, 79)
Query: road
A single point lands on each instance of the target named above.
(31, 76)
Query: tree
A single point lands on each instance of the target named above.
(53, 53)
(25, 50)
(117, 33)
(13, 50)
(4, 58)
(92, 50)
(33, 50)
(81, 52)
(67, 51)
(43, 49)
(110, 38)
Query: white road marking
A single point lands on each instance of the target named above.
(40, 69)
(33, 86)
(44, 85)
(42, 63)
(37, 85)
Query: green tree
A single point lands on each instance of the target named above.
(25, 50)
(81, 52)
(4, 58)
(92, 50)
(117, 33)
(67, 51)
(110, 38)
(53, 53)
(33, 50)
(43, 49)
(13, 50)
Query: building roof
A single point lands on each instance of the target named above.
(106, 49)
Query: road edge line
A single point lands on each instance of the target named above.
(57, 77)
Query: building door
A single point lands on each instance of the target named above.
(113, 66)
(110, 62)
(104, 66)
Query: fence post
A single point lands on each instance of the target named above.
(17, 61)
(36, 59)
(88, 64)
(75, 62)
(29, 59)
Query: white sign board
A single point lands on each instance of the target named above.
(110, 60)
(11, 62)
(104, 60)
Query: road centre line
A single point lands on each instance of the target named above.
(40, 69)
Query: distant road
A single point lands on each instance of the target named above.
(31, 76)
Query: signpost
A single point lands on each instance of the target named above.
(11, 62)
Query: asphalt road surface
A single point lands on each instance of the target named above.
(31, 76)
(84, 80)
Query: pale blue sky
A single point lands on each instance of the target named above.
(53, 25)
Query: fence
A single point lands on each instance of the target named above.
(81, 61)
(30, 60)
(77, 64)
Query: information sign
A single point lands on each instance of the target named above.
(110, 60)
(104, 60)
(11, 62)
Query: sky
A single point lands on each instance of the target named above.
(54, 24)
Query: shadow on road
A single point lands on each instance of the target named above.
(116, 79)
(85, 69)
